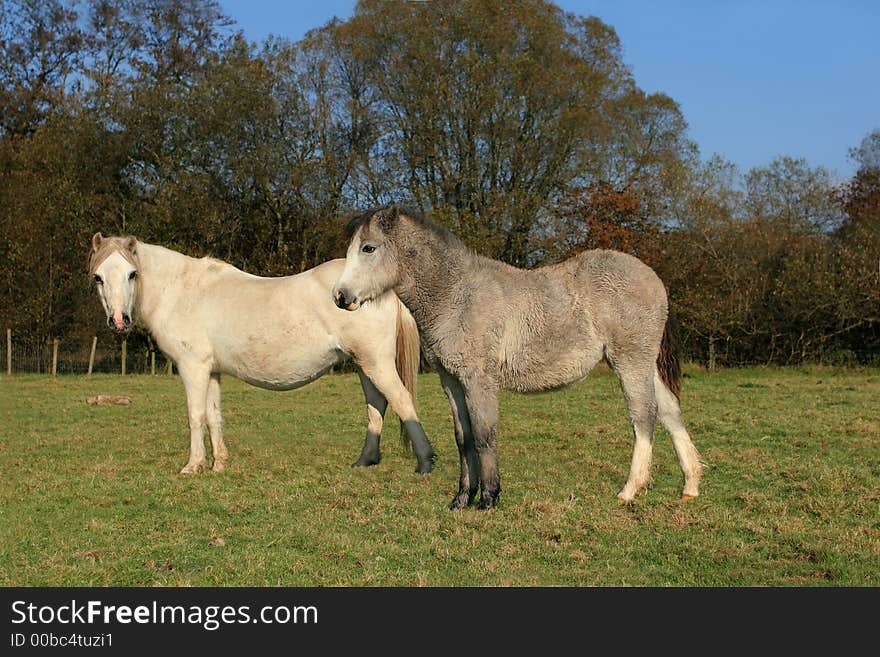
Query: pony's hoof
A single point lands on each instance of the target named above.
(192, 468)
(625, 498)
(219, 466)
(686, 497)
(366, 462)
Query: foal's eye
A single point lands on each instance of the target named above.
(132, 275)
(98, 280)
(368, 248)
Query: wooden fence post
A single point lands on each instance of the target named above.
(9, 351)
(55, 357)
(124, 349)
(152, 362)
(92, 353)
(169, 368)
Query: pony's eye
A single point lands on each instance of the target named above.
(368, 248)
(98, 280)
(132, 275)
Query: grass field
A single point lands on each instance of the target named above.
(91, 496)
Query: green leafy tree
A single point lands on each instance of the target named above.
(40, 46)
(486, 112)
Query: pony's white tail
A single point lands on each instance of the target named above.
(407, 358)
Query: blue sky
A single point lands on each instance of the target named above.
(754, 79)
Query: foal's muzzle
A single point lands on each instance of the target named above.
(344, 300)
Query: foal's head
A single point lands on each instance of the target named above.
(114, 266)
(371, 263)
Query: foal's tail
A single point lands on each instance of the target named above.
(407, 359)
(667, 360)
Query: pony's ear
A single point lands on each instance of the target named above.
(97, 238)
(130, 244)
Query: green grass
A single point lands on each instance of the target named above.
(91, 496)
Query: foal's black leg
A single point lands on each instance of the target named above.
(376, 405)
(469, 480)
(421, 446)
(370, 454)
(387, 383)
(482, 404)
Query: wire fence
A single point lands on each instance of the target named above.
(74, 356)
(111, 355)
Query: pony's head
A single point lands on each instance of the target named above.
(371, 263)
(114, 266)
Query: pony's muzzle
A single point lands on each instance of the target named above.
(344, 300)
(119, 322)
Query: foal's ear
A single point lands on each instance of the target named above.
(130, 244)
(388, 218)
(97, 238)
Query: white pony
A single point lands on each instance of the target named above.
(275, 333)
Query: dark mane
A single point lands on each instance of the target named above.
(389, 213)
(360, 219)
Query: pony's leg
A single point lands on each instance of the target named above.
(215, 424)
(195, 381)
(482, 405)
(669, 413)
(636, 381)
(385, 378)
(469, 480)
(376, 405)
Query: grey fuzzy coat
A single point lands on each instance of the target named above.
(490, 326)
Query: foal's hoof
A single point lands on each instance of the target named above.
(193, 468)
(685, 497)
(461, 501)
(366, 461)
(487, 502)
(426, 463)
(219, 466)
